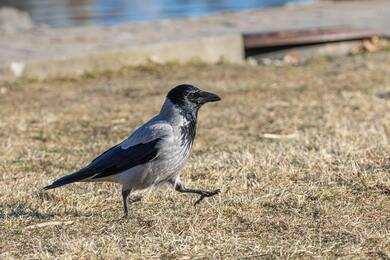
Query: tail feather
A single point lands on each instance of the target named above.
(52, 186)
(74, 177)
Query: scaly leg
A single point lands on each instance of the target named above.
(180, 188)
(125, 195)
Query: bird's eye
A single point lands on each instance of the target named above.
(191, 95)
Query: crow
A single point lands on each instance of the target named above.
(155, 153)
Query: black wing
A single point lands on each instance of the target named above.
(117, 159)
(112, 161)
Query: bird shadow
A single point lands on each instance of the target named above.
(20, 212)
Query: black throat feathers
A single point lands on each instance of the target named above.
(188, 131)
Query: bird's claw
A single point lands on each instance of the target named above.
(207, 194)
(135, 199)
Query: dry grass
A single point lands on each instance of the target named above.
(321, 191)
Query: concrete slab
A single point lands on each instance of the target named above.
(207, 49)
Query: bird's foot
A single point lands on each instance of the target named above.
(207, 194)
(135, 199)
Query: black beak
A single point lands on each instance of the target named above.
(205, 97)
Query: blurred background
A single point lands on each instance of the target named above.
(62, 13)
(254, 31)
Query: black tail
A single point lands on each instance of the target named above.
(74, 177)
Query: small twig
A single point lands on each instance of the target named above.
(277, 136)
(47, 224)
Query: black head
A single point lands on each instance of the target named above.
(188, 96)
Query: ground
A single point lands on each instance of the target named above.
(301, 154)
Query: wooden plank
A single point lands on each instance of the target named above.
(304, 37)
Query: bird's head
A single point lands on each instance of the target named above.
(190, 97)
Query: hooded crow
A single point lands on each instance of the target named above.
(154, 153)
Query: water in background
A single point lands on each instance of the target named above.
(60, 13)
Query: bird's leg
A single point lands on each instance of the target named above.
(180, 188)
(125, 194)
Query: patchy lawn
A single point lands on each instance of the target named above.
(301, 154)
